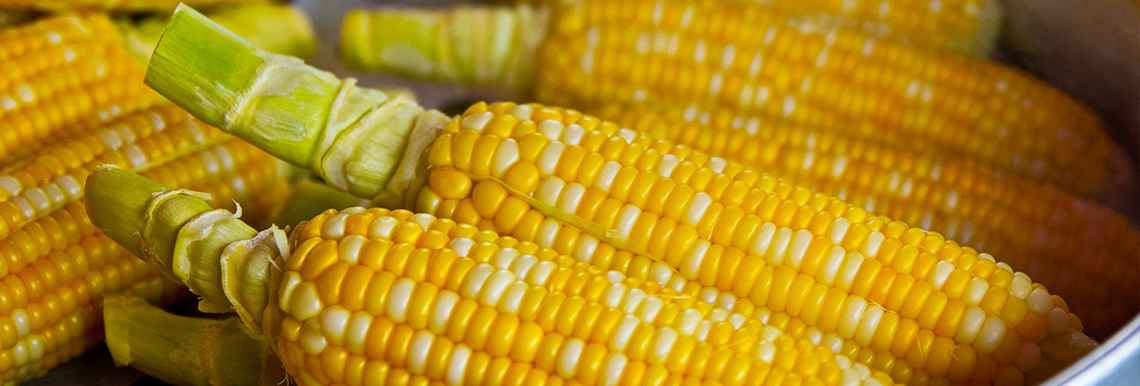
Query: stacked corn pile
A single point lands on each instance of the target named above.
(966, 26)
(72, 98)
(610, 237)
(923, 135)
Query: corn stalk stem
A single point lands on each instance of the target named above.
(184, 350)
(352, 137)
(220, 258)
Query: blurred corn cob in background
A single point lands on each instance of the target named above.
(752, 61)
(896, 299)
(277, 28)
(1087, 49)
(117, 5)
(966, 26)
(56, 266)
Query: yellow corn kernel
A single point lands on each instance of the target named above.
(916, 264)
(820, 77)
(57, 266)
(934, 192)
(470, 322)
(92, 80)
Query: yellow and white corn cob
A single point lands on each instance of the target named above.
(56, 266)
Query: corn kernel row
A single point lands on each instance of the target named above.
(425, 309)
(1075, 246)
(753, 62)
(959, 25)
(58, 175)
(56, 265)
(524, 170)
(93, 79)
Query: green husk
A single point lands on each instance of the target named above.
(187, 351)
(302, 115)
(187, 240)
(479, 45)
(207, 234)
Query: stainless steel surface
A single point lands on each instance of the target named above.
(1115, 363)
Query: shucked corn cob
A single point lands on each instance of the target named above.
(116, 5)
(968, 26)
(902, 300)
(56, 266)
(1046, 252)
(66, 76)
(63, 75)
(1075, 246)
(678, 52)
(368, 297)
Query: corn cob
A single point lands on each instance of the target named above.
(63, 75)
(679, 52)
(67, 75)
(117, 5)
(969, 26)
(1112, 310)
(1063, 240)
(56, 265)
(1073, 245)
(617, 200)
(428, 300)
